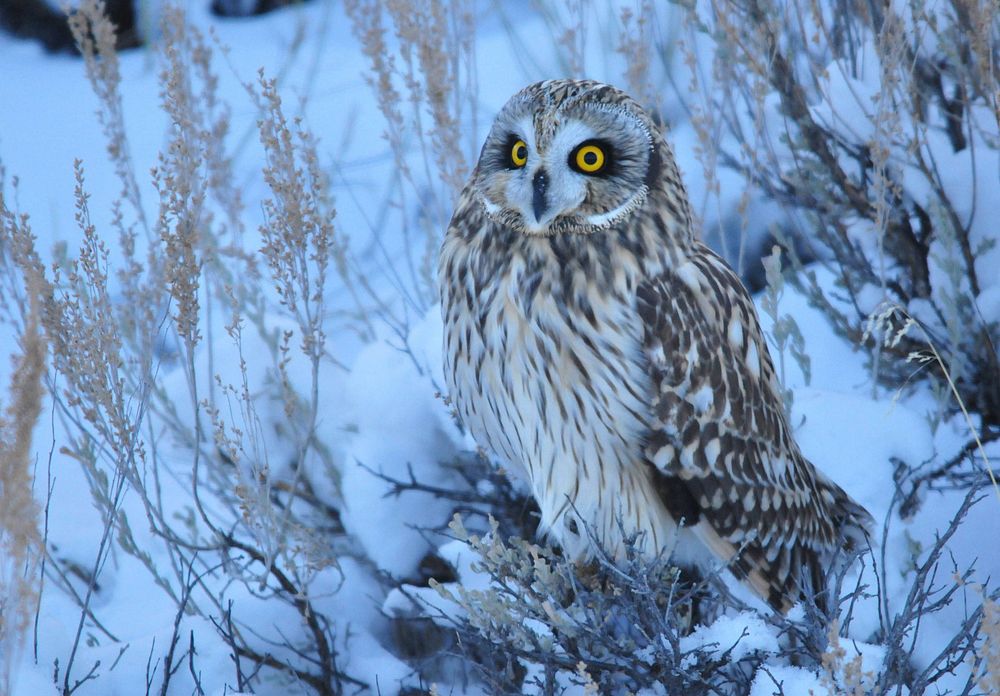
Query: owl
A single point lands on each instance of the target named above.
(596, 345)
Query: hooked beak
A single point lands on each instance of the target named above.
(539, 204)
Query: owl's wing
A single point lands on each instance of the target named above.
(719, 439)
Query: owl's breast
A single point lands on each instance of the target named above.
(546, 370)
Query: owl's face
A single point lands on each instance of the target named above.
(566, 156)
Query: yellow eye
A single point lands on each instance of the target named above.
(589, 158)
(519, 153)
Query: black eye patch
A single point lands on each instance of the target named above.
(514, 153)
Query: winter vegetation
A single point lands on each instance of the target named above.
(226, 462)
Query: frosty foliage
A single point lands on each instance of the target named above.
(540, 625)
(876, 128)
(112, 326)
(243, 438)
(20, 534)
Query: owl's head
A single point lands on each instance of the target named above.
(568, 156)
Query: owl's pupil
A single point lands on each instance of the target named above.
(590, 158)
(519, 152)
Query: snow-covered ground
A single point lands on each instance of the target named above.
(383, 413)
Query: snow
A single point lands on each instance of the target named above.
(740, 634)
(774, 681)
(375, 410)
(384, 415)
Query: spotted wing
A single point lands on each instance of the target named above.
(719, 436)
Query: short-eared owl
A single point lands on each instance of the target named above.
(595, 344)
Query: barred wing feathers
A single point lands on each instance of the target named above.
(719, 433)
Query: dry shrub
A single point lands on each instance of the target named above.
(843, 114)
(542, 622)
(20, 536)
(220, 528)
(987, 659)
(424, 79)
(249, 523)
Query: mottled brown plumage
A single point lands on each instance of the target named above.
(594, 344)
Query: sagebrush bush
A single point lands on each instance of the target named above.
(178, 283)
(244, 529)
(529, 621)
(543, 623)
(845, 114)
(20, 525)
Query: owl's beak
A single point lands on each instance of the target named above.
(539, 204)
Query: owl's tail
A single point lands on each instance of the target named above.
(783, 570)
(856, 523)
(749, 563)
